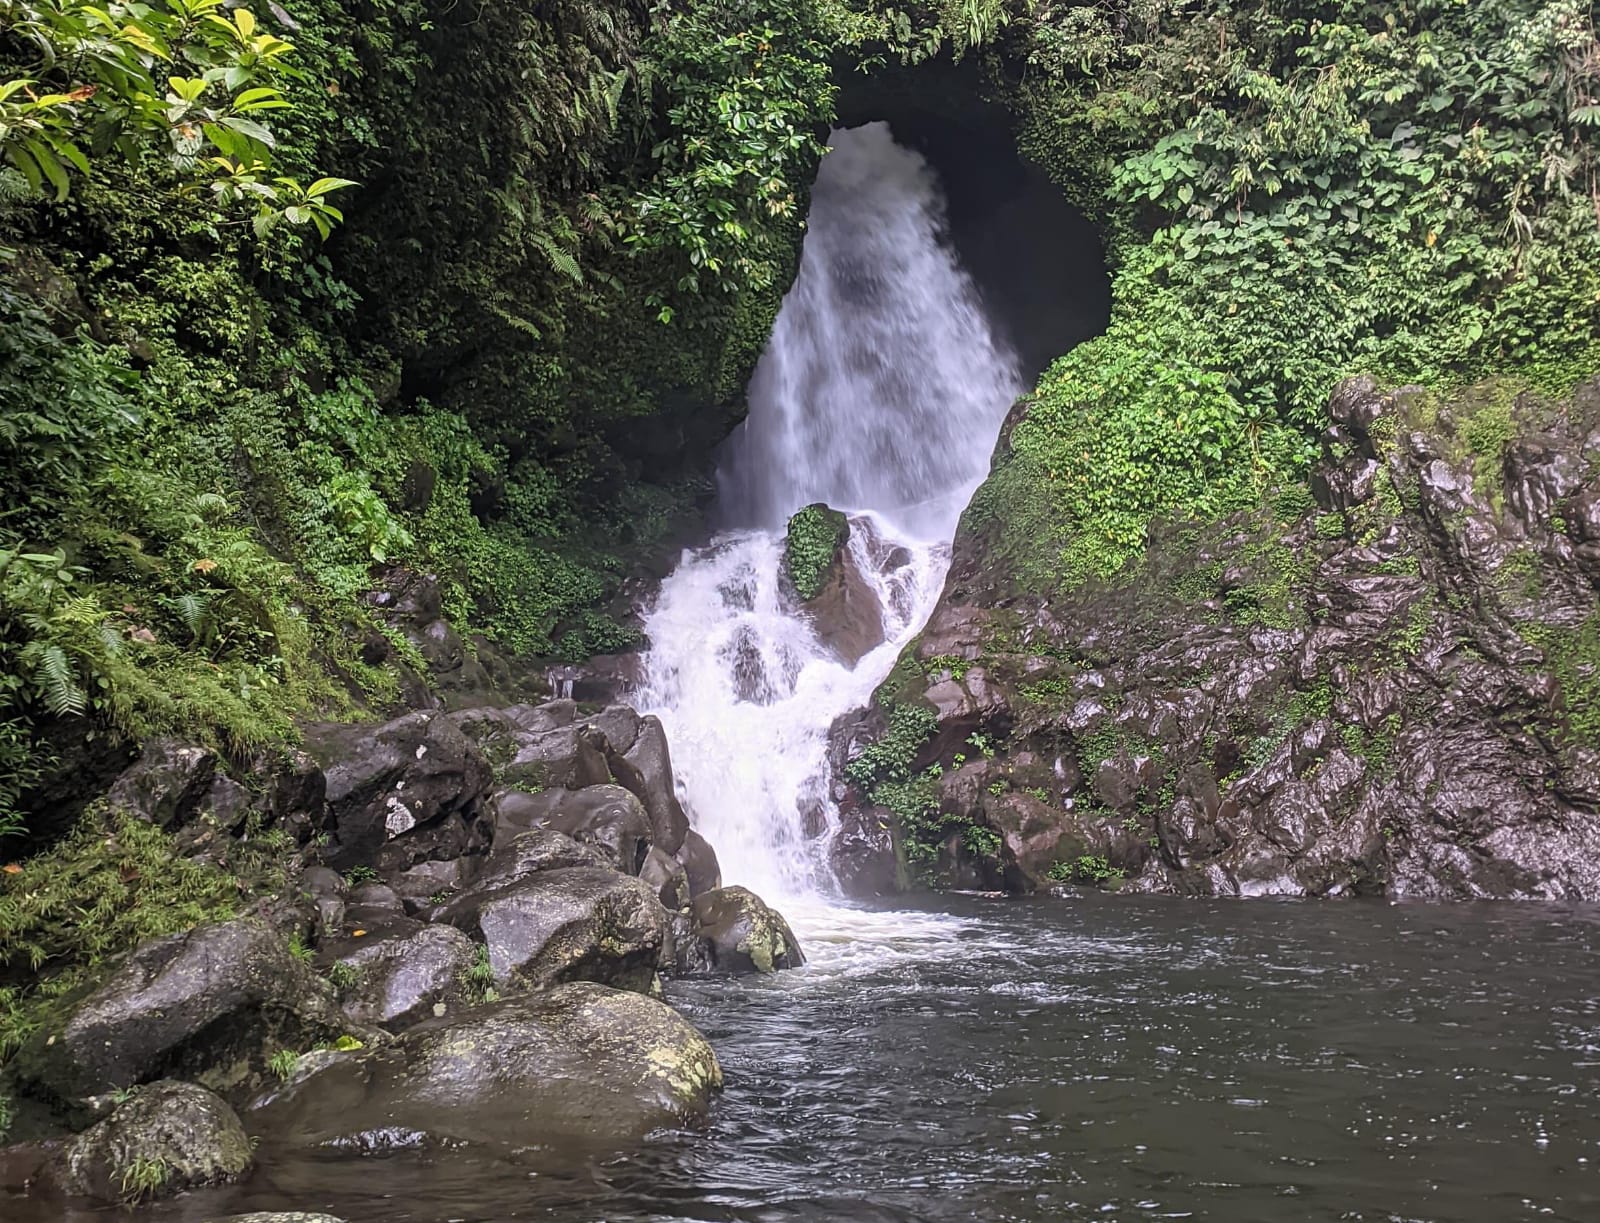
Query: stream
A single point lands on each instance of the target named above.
(1105, 1057)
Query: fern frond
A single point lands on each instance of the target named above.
(58, 682)
(561, 260)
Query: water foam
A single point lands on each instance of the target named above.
(880, 393)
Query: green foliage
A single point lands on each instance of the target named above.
(343, 976)
(1292, 195)
(477, 979)
(283, 1062)
(1086, 868)
(90, 81)
(143, 1178)
(814, 536)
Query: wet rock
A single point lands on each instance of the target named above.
(607, 817)
(579, 1063)
(578, 923)
(642, 764)
(538, 849)
(277, 1216)
(402, 972)
(167, 783)
(845, 611)
(208, 1004)
(412, 786)
(168, 1137)
(328, 893)
(700, 865)
(666, 876)
(743, 934)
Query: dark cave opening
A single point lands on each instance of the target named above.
(1038, 262)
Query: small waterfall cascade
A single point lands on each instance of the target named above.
(880, 393)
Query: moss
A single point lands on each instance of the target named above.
(815, 535)
(114, 883)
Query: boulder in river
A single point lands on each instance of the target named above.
(743, 933)
(167, 1137)
(579, 1063)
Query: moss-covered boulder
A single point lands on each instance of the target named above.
(580, 1063)
(168, 1137)
(744, 934)
(812, 547)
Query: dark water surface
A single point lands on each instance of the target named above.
(1101, 1058)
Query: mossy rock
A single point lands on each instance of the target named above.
(811, 547)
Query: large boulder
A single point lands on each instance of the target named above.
(666, 877)
(579, 1063)
(210, 1004)
(578, 923)
(538, 849)
(168, 1137)
(402, 972)
(607, 817)
(845, 611)
(743, 934)
(407, 790)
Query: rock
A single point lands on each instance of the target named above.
(607, 817)
(403, 971)
(579, 1063)
(699, 863)
(277, 1216)
(411, 787)
(211, 1004)
(644, 767)
(578, 923)
(538, 849)
(743, 934)
(168, 1137)
(1388, 693)
(844, 611)
(666, 876)
(328, 894)
(166, 784)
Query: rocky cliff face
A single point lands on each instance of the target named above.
(1387, 686)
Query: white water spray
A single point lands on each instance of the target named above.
(880, 393)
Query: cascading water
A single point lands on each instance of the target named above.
(880, 393)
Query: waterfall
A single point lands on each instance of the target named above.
(881, 393)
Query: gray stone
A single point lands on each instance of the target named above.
(397, 785)
(168, 1137)
(209, 1003)
(607, 817)
(404, 972)
(578, 1063)
(581, 923)
(699, 863)
(166, 784)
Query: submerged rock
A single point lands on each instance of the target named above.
(168, 1137)
(577, 1063)
(742, 933)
